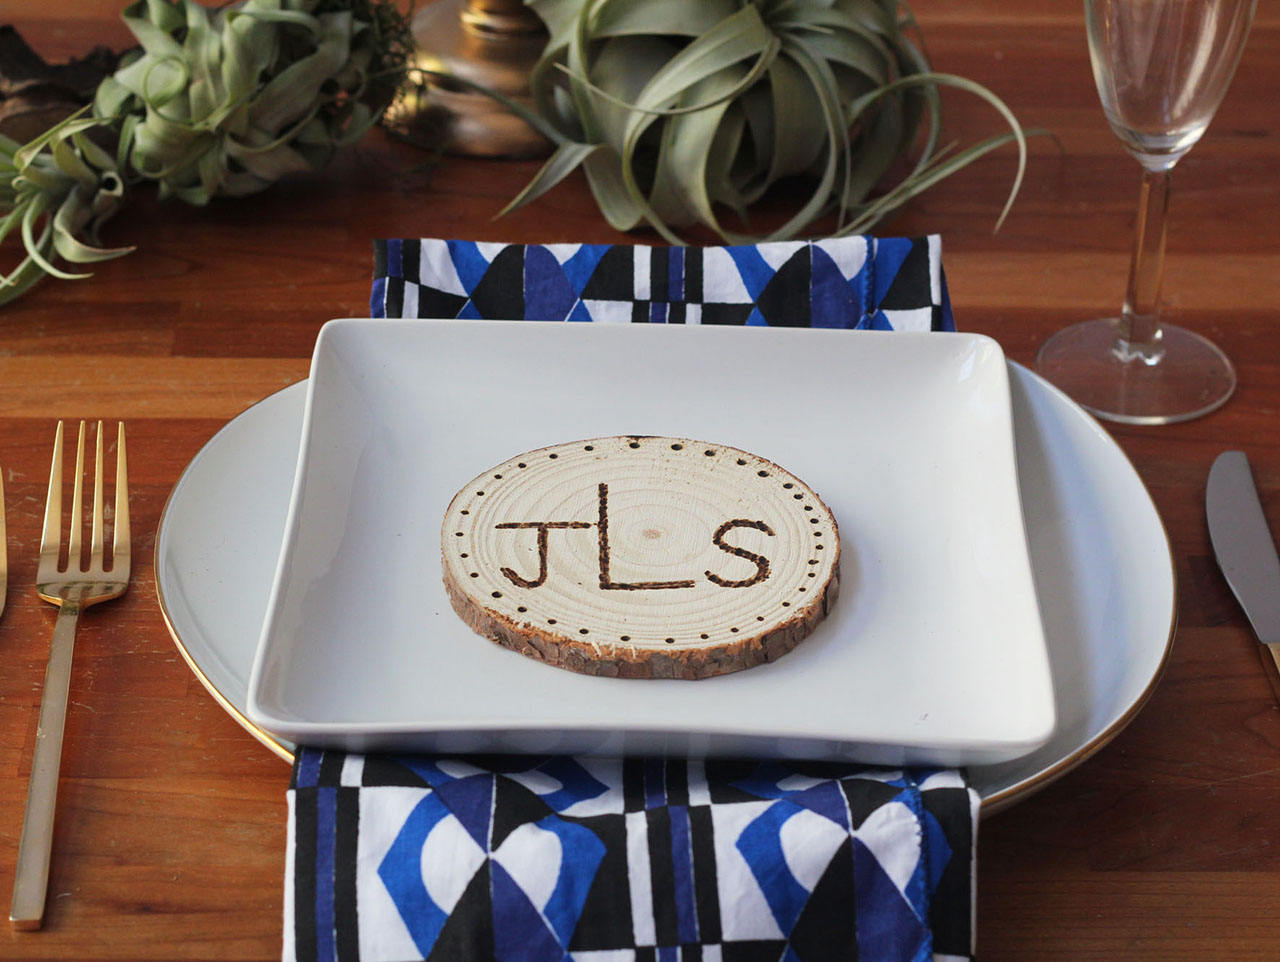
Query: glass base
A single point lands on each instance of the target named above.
(1177, 377)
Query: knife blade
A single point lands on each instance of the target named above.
(1243, 545)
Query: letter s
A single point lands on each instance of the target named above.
(761, 562)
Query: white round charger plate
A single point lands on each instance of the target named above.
(1102, 562)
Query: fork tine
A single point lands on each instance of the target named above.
(72, 590)
(120, 542)
(52, 533)
(95, 543)
(74, 562)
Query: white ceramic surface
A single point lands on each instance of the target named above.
(934, 653)
(1102, 565)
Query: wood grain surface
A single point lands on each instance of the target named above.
(631, 592)
(171, 819)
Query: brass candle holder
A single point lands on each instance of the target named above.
(491, 43)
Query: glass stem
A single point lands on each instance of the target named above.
(1139, 335)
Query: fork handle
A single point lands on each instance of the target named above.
(35, 847)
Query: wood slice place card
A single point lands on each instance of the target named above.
(641, 557)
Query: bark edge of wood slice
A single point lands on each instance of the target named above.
(638, 556)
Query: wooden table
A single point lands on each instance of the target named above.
(171, 819)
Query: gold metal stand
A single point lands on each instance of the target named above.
(493, 43)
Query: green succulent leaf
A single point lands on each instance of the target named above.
(55, 192)
(687, 142)
(217, 100)
(222, 93)
(670, 17)
(564, 160)
(674, 110)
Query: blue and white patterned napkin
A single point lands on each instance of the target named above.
(887, 283)
(524, 859)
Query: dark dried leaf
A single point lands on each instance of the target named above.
(36, 95)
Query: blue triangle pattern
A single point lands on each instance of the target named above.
(579, 268)
(581, 855)
(468, 262)
(726, 285)
(577, 901)
(831, 300)
(893, 933)
(400, 873)
(470, 800)
(890, 253)
(519, 933)
(761, 846)
(548, 294)
(752, 268)
(823, 799)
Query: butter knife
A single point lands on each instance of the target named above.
(1243, 546)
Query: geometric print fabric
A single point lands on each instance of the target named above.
(491, 859)
(847, 283)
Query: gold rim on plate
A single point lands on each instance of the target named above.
(992, 804)
(998, 801)
(276, 746)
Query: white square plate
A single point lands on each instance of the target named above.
(934, 652)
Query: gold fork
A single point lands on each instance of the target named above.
(73, 589)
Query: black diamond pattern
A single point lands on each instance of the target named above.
(500, 293)
(784, 302)
(912, 279)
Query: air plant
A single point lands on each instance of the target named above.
(677, 111)
(226, 101)
(56, 190)
(213, 102)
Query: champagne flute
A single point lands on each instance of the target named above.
(1161, 68)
